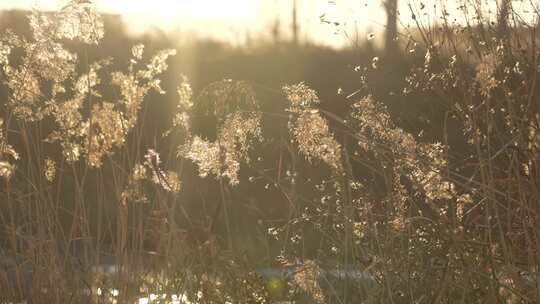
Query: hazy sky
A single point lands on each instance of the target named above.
(231, 20)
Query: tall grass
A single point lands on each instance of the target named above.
(450, 219)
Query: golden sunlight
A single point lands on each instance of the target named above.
(199, 9)
(231, 18)
(169, 9)
(234, 20)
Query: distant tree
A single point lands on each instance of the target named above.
(295, 26)
(504, 8)
(391, 8)
(276, 32)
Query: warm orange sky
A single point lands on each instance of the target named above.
(232, 20)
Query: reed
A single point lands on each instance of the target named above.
(93, 208)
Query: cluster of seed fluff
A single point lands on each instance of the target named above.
(46, 83)
(45, 63)
(400, 198)
(307, 279)
(5, 51)
(134, 191)
(239, 125)
(301, 97)
(107, 132)
(79, 20)
(73, 132)
(135, 85)
(181, 119)
(222, 158)
(422, 164)
(168, 180)
(205, 154)
(235, 137)
(49, 170)
(7, 155)
(7, 169)
(485, 74)
(310, 130)
(151, 170)
(534, 135)
(70, 128)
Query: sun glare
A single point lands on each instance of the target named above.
(193, 9)
(232, 20)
